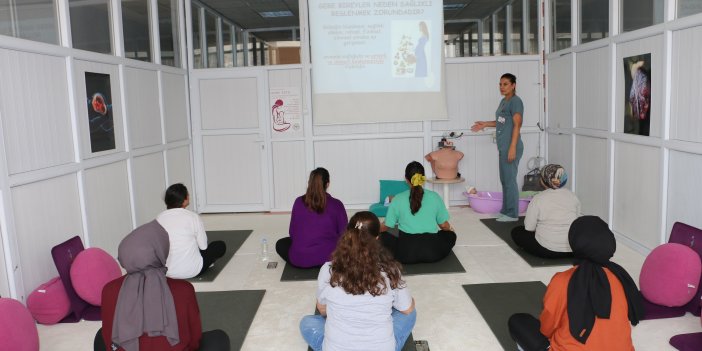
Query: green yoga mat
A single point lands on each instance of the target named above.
(450, 264)
(234, 239)
(499, 301)
(504, 231)
(231, 311)
(409, 344)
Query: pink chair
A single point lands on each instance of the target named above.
(18, 332)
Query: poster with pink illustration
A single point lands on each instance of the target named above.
(637, 94)
(286, 111)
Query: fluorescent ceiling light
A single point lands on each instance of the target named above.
(451, 7)
(268, 14)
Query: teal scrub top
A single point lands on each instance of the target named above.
(505, 123)
(426, 220)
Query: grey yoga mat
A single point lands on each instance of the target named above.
(233, 239)
(230, 311)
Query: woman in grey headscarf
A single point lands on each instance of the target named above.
(548, 217)
(144, 310)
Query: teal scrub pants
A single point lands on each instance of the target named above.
(510, 189)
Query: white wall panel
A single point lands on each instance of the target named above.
(149, 184)
(637, 196)
(289, 173)
(107, 204)
(473, 94)
(560, 92)
(80, 68)
(560, 150)
(232, 169)
(34, 106)
(592, 89)
(356, 166)
(142, 103)
(592, 175)
(4, 283)
(654, 46)
(684, 189)
(179, 166)
(175, 112)
(686, 104)
(229, 103)
(367, 128)
(46, 214)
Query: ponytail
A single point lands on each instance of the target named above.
(316, 196)
(414, 173)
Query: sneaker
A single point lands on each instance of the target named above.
(503, 218)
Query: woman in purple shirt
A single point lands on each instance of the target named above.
(316, 223)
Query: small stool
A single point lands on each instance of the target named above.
(446, 183)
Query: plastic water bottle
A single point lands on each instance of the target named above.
(264, 249)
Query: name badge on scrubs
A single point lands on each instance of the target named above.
(500, 119)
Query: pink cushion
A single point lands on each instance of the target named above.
(670, 275)
(49, 302)
(90, 271)
(18, 332)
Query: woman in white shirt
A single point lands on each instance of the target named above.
(189, 254)
(549, 216)
(363, 301)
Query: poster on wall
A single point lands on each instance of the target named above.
(637, 94)
(286, 111)
(100, 116)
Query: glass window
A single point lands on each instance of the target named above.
(500, 31)
(168, 32)
(277, 48)
(197, 49)
(638, 14)
(560, 20)
(689, 7)
(211, 40)
(533, 27)
(594, 20)
(487, 36)
(33, 20)
(470, 40)
(227, 44)
(239, 36)
(90, 25)
(517, 27)
(135, 26)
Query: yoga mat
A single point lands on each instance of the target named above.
(409, 344)
(231, 311)
(504, 231)
(234, 239)
(499, 301)
(450, 264)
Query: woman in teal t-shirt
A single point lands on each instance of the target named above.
(425, 234)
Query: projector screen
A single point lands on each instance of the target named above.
(377, 61)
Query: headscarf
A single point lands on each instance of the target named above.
(553, 176)
(145, 303)
(589, 293)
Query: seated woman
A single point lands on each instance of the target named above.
(588, 307)
(363, 301)
(425, 234)
(137, 306)
(189, 254)
(548, 217)
(316, 223)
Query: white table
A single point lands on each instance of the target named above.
(446, 183)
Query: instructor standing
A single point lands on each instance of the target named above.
(508, 121)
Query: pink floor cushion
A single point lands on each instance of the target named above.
(49, 302)
(670, 275)
(18, 332)
(90, 271)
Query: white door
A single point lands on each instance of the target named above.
(230, 138)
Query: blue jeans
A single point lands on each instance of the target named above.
(312, 329)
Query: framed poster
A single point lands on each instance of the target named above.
(100, 115)
(637, 94)
(286, 111)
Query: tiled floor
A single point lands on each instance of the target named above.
(446, 316)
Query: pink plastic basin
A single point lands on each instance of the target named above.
(491, 202)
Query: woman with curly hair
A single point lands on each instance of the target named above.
(363, 301)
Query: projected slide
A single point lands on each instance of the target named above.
(362, 47)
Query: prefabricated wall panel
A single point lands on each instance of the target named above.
(560, 151)
(229, 103)
(592, 175)
(46, 213)
(686, 102)
(637, 195)
(149, 186)
(107, 205)
(142, 101)
(289, 173)
(34, 105)
(592, 89)
(684, 189)
(232, 169)
(175, 112)
(560, 92)
(180, 167)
